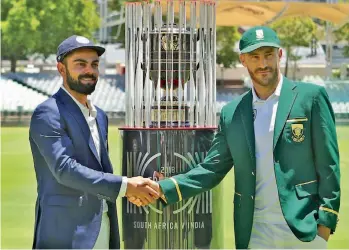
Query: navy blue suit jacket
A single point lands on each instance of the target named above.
(71, 180)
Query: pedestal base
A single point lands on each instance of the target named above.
(161, 154)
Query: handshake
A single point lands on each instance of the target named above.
(142, 191)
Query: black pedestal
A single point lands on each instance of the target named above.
(162, 153)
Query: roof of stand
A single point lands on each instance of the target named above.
(232, 13)
(251, 13)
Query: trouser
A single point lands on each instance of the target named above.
(102, 241)
(266, 235)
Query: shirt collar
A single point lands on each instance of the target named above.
(86, 111)
(276, 92)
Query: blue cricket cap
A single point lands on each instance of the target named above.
(76, 42)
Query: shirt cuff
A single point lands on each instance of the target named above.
(123, 187)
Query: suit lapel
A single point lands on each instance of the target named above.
(102, 134)
(74, 109)
(287, 97)
(92, 147)
(246, 113)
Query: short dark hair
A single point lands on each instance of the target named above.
(65, 61)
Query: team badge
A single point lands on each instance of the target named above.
(81, 39)
(259, 34)
(297, 132)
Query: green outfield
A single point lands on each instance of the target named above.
(18, 190)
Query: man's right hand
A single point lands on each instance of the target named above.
(142, 191)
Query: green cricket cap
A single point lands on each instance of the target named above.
(256, 37)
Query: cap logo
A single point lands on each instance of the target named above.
(81, 39)
(259, 35)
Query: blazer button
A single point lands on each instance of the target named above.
(81, 198)
(252, 197)
(252, 173)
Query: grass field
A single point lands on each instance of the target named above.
(18, 190)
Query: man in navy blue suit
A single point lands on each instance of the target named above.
(77, 189)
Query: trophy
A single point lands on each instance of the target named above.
(170, 64)
(170, 89)
(171, 70)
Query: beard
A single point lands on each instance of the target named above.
(266, 81)
(78, 86)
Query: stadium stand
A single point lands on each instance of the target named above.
(18, 98)
(22, 92)
(338, 92)
(109, 94)
(223, 98)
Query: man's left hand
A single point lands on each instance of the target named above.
(323, 231)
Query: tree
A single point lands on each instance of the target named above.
(39, 26)
(226, 37)
(294, 31)
(342, 34)
(18, 31)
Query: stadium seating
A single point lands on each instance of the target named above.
(16, 97)
(223, 98)
(338, 92)
(25, 91)
(109, 94)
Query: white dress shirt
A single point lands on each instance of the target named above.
(90, 114)
(267, 206)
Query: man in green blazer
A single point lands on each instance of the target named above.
(281, 139)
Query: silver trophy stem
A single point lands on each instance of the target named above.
(182, 25)
(171, 19)
(158, 25)
(127, 77)
(201, 83)
(148, 84)
(210, 66)
(166, 63)
(130, 70)
(138, 71)
(214, 94)
(192, 59)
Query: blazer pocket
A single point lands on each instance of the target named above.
(307, 189)
(50, 136)
(295, 130)
(64, 200)
(297, 119)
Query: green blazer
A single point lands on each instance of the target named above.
(306, 162)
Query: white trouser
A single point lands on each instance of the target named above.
(270, 236)
(102, 241)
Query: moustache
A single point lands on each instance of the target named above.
(265, 69)
(93, 77)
